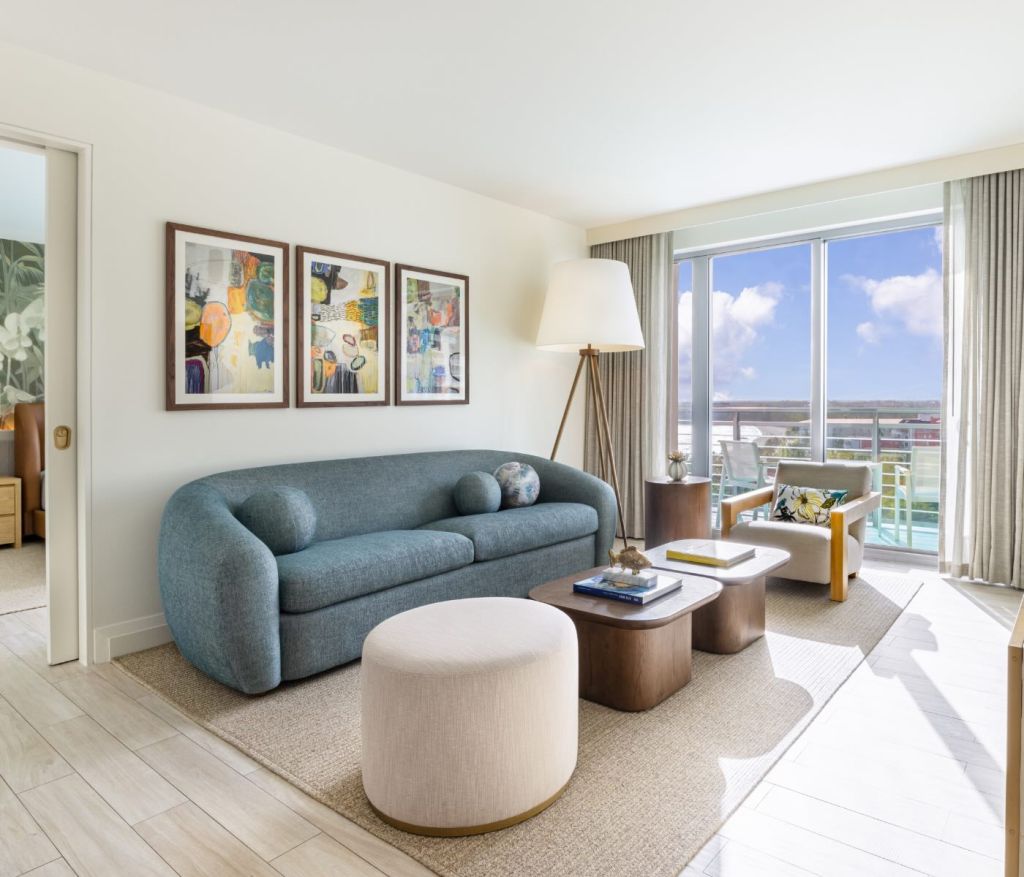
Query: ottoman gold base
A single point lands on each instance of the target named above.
(473, 829)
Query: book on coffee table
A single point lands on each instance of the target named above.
(658, 585)
(711, 552)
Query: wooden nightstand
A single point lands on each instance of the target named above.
(10, 511)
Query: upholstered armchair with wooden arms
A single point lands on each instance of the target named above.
(826, 555)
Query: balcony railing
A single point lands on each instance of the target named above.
(884, 435)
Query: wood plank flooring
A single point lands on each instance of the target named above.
(901, 774)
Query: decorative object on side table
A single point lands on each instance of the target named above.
(590, 307)
(431, 337)
(342, 305)
(629, 558)
(227, 320)
(677, 468)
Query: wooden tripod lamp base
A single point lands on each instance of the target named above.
(588, 357)
(591, 301)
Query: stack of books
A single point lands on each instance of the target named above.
(710, 552)
(639, 589)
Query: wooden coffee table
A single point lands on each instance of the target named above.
(631, 657)
(736, 618)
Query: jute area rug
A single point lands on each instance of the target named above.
(22, 577)
(650, 788)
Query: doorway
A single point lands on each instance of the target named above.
(39, 254)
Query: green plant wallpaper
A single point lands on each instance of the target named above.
(21, 326)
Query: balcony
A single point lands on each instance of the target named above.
(883, 434)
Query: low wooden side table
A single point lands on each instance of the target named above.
(737, 617)
(631, 657)
(10, 511)
(676, 509)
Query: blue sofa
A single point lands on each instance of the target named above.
(387, 538)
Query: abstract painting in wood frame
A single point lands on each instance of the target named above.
(342, 306)
(431, 337)
(227, 320)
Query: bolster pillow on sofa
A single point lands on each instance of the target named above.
(282, 518)
(477, 493)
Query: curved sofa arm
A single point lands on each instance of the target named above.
(219, 588)
(562, 483)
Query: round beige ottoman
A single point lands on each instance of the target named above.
(469, 714)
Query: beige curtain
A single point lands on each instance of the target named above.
(636, 385)
(983, 458)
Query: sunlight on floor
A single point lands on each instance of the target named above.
(903, 771)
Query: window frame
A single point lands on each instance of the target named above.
(702, 355)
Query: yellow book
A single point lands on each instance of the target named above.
(711, 552)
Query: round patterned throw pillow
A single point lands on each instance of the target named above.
(282, 518)
(477, 493)
(519, 483)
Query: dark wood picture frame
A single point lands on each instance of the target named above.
(400, 328)
(303, 397)
(171, 232)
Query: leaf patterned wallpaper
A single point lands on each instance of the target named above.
(21, 326)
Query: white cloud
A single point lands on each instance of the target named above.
(915, 301)
(869, 333)
(736, 320)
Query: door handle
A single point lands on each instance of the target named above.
(62, 438)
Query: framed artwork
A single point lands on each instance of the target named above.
(227, 320)
(431, 337)
(341, 306)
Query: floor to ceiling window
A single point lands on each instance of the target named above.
(827, 347)
(884, 373)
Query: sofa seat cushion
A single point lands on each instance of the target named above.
(809, 548)
(513, 531)
(332, 572)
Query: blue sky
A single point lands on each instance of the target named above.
(884, 320)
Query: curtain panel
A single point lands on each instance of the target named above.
(982, 491)
(636, 385)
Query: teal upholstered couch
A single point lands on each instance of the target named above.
(387, 538)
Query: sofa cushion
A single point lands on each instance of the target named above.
(519, 483)
(282, 518)
(331, 572)
(477, 493)
(512, 531)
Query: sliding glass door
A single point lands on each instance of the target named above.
(760, 375)
(885, 374)
(826, 347)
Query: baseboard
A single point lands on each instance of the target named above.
(126, 637)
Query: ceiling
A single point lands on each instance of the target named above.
(587, 110)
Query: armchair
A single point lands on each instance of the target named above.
(830, 555)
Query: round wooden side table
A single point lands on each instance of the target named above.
(676, 509)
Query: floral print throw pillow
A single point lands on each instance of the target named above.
(806, 505)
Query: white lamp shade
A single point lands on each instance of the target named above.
(590, 302)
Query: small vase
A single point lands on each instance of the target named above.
(676, 470)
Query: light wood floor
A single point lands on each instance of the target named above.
(900, 774)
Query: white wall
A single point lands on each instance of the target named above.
(158, 158)
(923, 177)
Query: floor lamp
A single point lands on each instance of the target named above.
(590, 309)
